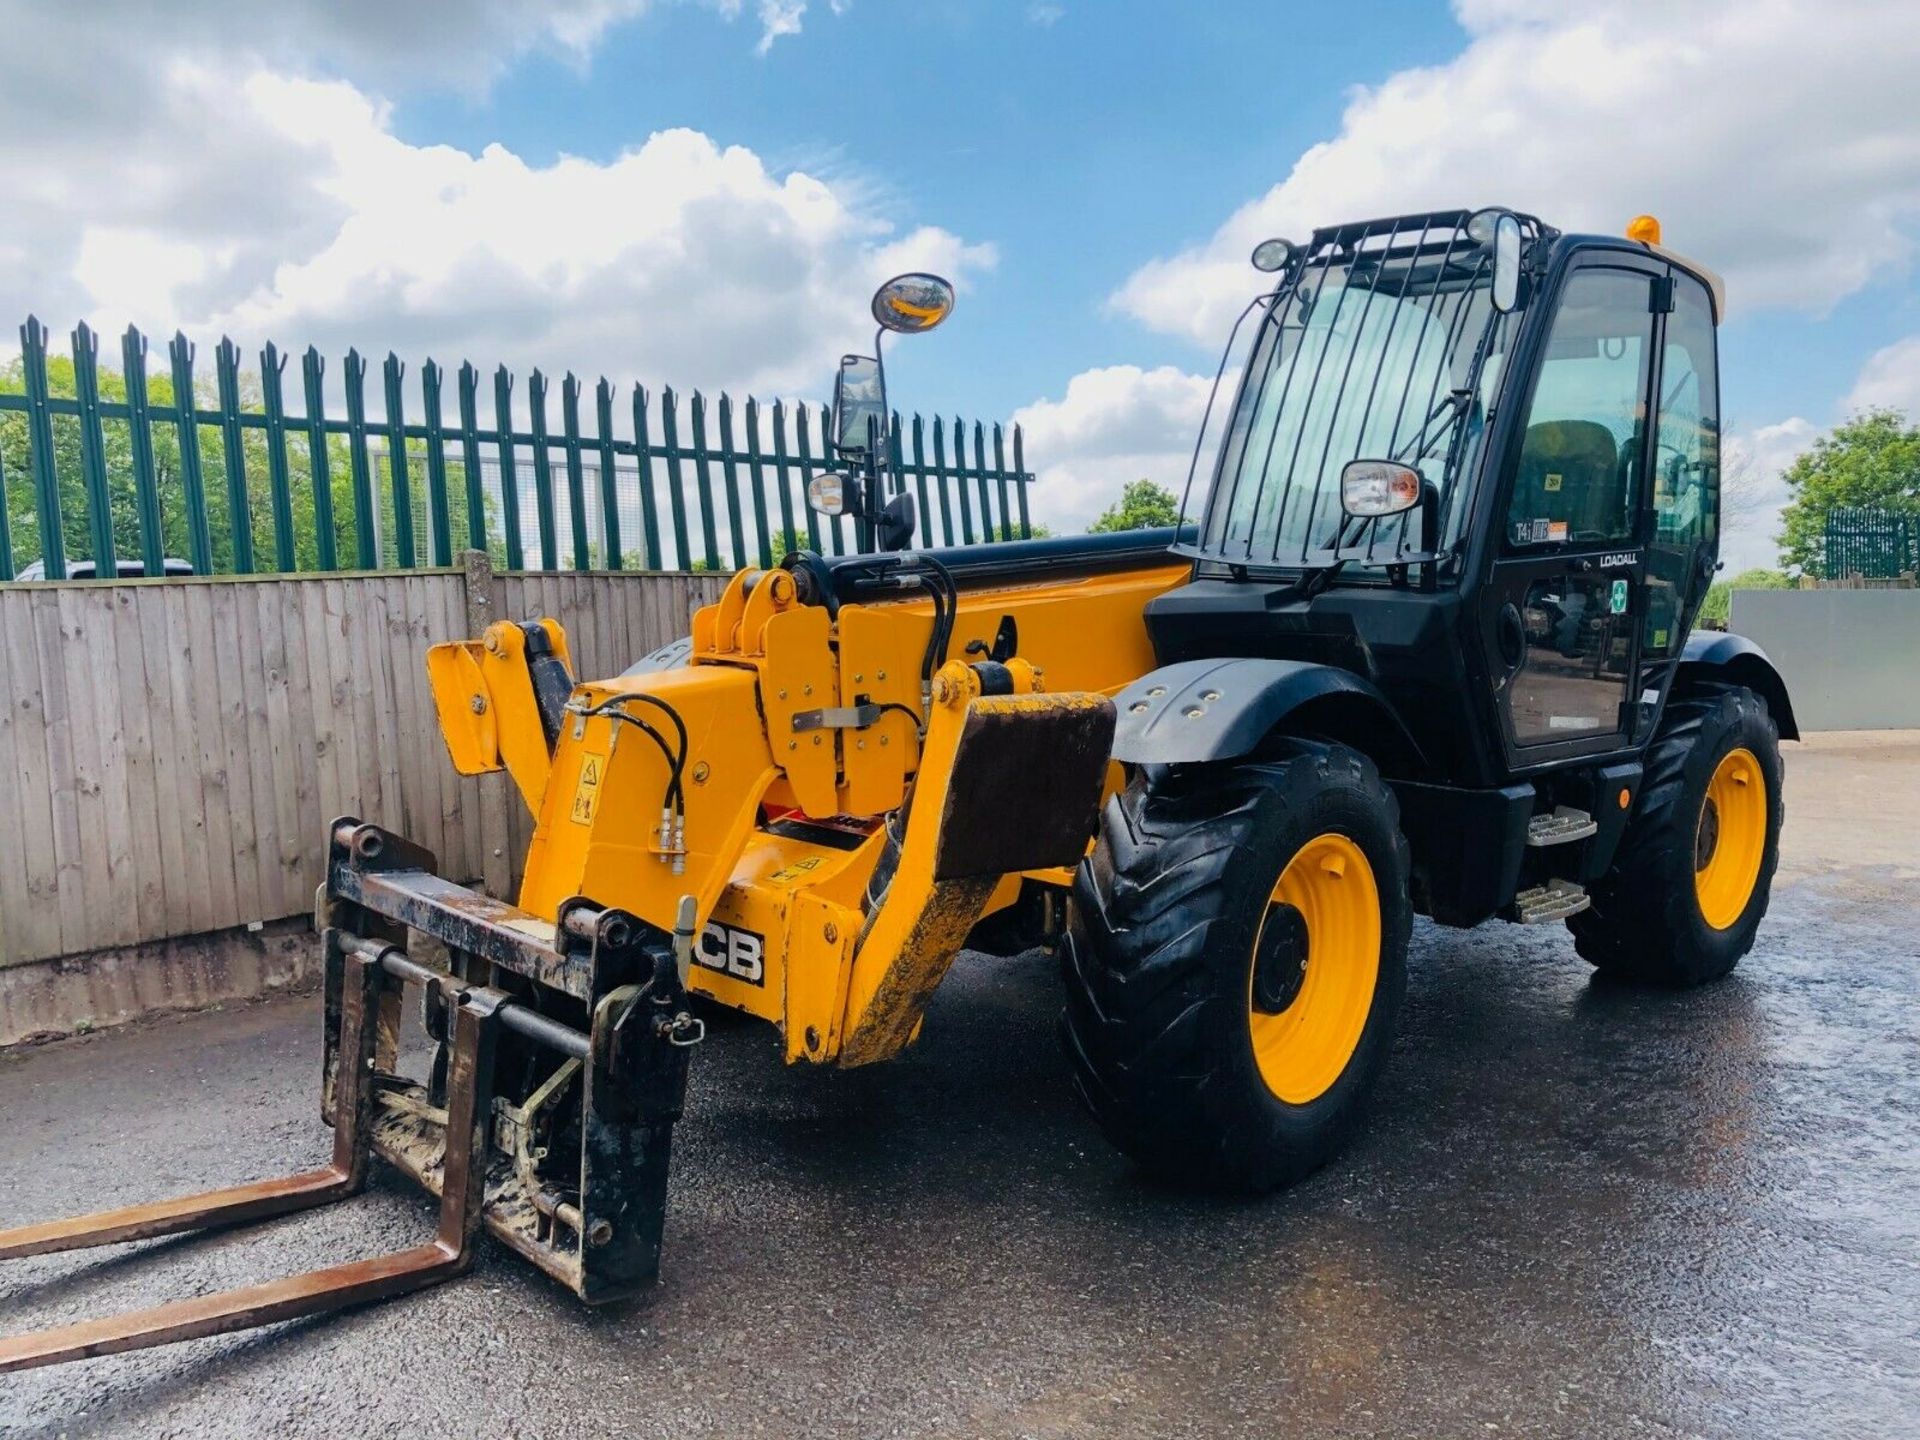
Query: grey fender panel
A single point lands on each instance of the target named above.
(1720, 654)
(1218, 709)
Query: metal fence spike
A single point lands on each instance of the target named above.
(246, 420)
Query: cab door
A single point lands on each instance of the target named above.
(1563, 613)
(1684, 548)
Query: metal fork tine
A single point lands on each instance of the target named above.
(470, 1102)
(242, 1309)
(259, 1201)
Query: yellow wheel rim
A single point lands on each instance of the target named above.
(1304, 1048)
(1729, 838)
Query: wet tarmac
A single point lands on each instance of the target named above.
(1579, 1210)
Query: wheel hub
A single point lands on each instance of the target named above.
(1280, 962)
(1729, 847)
(1706, 839)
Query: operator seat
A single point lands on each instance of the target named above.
(1567, 477)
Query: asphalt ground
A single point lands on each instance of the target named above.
(1579, 1210)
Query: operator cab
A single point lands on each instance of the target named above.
(1476, 462)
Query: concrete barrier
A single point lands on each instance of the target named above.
(1851, 657)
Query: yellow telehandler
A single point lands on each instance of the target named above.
(1424, 646)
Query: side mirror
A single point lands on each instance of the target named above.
(859, 404)
(1506, 264)
(834, 494)
(894, 529)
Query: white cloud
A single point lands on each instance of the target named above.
(1890, 380)
(1112, 426)
(1752, 491)
(1776, 140)
(241, 198)
(412, 45)
(777, 18)
(1045, 15)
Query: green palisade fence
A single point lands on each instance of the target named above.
(1871, 543)
(104, 469)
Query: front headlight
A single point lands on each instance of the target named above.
(1378, 487)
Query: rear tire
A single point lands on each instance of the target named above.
(1691, 881)
(1236, 962)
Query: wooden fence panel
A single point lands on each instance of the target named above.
(177, 747)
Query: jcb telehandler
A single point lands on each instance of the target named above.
(1426, 646)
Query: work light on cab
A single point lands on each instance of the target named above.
(1372, 488)
(1273, 256)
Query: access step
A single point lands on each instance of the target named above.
(1562, 827)
(1555, 900)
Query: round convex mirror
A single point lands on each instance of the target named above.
(912, 303)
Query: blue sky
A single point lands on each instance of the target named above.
(702, 192)
(1079, 140)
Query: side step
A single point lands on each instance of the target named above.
(1562, 827)
(1555, 900)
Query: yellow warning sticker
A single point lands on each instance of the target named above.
(1552, 482)
(586, 794)
(800, 868)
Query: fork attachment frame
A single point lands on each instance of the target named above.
(523, 1015)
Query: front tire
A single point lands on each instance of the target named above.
(1690, 884)
(1236, 962)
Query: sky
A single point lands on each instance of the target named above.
(703, 193)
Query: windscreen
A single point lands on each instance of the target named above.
(1374, 347)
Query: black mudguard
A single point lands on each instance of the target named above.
(1734, 659)
(1218, 709)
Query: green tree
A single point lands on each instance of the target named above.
(1143, 505)
(1872, 460)
(1718, 605)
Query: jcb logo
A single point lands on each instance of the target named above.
(739, 953)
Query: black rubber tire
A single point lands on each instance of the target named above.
(1645, 923)
(1158, 957)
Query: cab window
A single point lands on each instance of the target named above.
(1686, 475)
(1580, 455)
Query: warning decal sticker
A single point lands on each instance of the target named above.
(586, 794)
